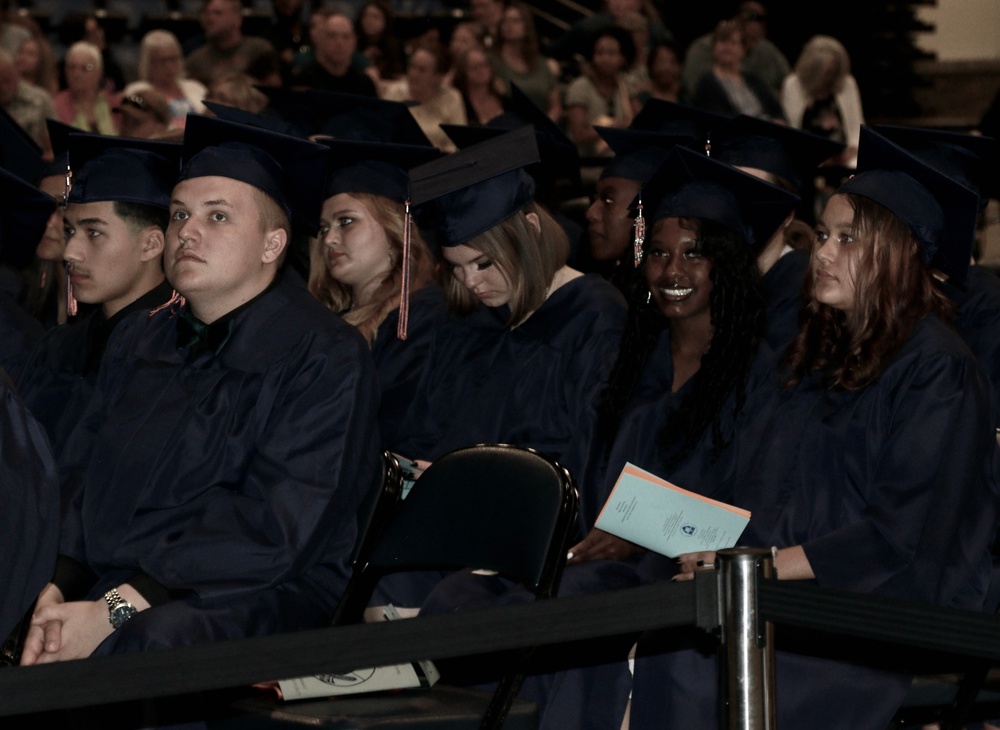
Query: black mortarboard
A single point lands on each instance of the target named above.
(122, 169)
(657, 115)
(939, 211)
(19, 153)
(59, 133)
(345, 116)
(290, 170)
(24, 213)
(779, 149)
(690, 184)
(468, 192)
(265, 121)
(379, 168)
(967, 158)
(560, 155)
(639, 153)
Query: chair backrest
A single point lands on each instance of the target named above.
(378, 508)
(491, 506)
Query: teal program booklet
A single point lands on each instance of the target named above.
(662, 517)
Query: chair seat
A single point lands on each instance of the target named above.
(439, 707)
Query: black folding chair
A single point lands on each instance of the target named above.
(495, 507)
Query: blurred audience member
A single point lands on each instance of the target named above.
(37, 63)
(288, 33)
(482, 90)
(144, 113)
(465, 36)
(822, 97)
(226, 49)
(761, 57)
(726, 88)
(663, 66)
(27, 104)
(377, 40)
(520, 61)
(161, 66)
(333, 67)
(576, 40)
(237, 90)
(86, 26)
(600, 96)
(85, 103)
(488, 14)
(436, 103)
(12, 34)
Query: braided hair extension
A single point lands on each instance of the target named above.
(737, 308)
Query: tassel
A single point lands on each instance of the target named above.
(175, 298)
(404, 294)
(71, 307)
(640, 235)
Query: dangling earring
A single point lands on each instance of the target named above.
(640, 235)
(649, 296)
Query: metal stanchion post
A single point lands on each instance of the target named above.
(747, 641)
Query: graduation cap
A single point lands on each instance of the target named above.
(19, 153)
(264, 121)
(469, 191)
(779, 149)
(639, 153)
(345, 116)
(690, 184)
(668, 117)
(938, 210)
(560, 157)
(967, 158)
(380, 168)
(24, 213)
(122, 169)
(290, 170)
(59, 133)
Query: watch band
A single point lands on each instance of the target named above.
(119, 610)
(113, 598)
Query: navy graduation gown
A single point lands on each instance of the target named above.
(29, 520)
(890, 490)
(535, 385)
(401, 363)
(61, 373)
(782, 286)
(19, 333)
(232, 480)
(977, 321)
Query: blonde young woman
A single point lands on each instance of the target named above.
(161, 65)
(371, 265)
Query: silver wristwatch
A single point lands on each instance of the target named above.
(119, 610)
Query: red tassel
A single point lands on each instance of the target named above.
(71, 307)
(404, 294)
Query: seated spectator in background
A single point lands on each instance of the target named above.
(663, 69)
(289, 33)
(436, 103)
(161, 65)
(241, 423)
(27, 104)
(237, 90)
(145, 114)
(333, 67)
(483, 93)
(576, 41)
(36, 62)
(87, 27)
(762, 58)
(488, 14)
(726, 89)
(600, 97)
(226, 49)
(377, 40)
(464, 37)
(822, 97)
(519, 60)
(12, 33)
(85, 103)
(114, 228)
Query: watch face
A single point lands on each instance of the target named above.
(121, 613)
